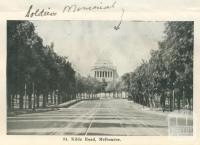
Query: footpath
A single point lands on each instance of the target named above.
(157, 111)
(68, 103)
(39, 110)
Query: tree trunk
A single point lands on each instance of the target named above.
(163, 98)
(51, 95)
(55, 98)
(171, 102)
(9, 102)
(173, 94)
(178, 103)
(38, 100)
(21, 101)
(29, 101)
(34, 101)
(44, 100)
(179, 100)
(13, 102)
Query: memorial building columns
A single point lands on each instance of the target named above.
(103, 74)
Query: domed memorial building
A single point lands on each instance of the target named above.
(104, 70)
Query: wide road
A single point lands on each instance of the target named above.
(91, 117)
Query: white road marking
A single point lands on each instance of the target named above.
(91, 120)
(123, 128)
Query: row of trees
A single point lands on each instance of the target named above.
(34, 71)
(167, 78)
(36, 75)
(88, 87)
(91, 88)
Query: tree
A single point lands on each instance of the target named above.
(35, 70)
(169, 72)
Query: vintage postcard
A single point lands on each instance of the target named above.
(100, 72)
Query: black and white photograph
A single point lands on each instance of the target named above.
(99, 77)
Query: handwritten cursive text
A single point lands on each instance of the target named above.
(39, 12)
(77, 8)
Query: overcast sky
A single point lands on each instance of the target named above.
(84, 41)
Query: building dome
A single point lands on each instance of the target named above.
(102, 62)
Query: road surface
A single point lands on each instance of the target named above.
(91, 117)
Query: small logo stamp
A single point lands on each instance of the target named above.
(180, 123)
